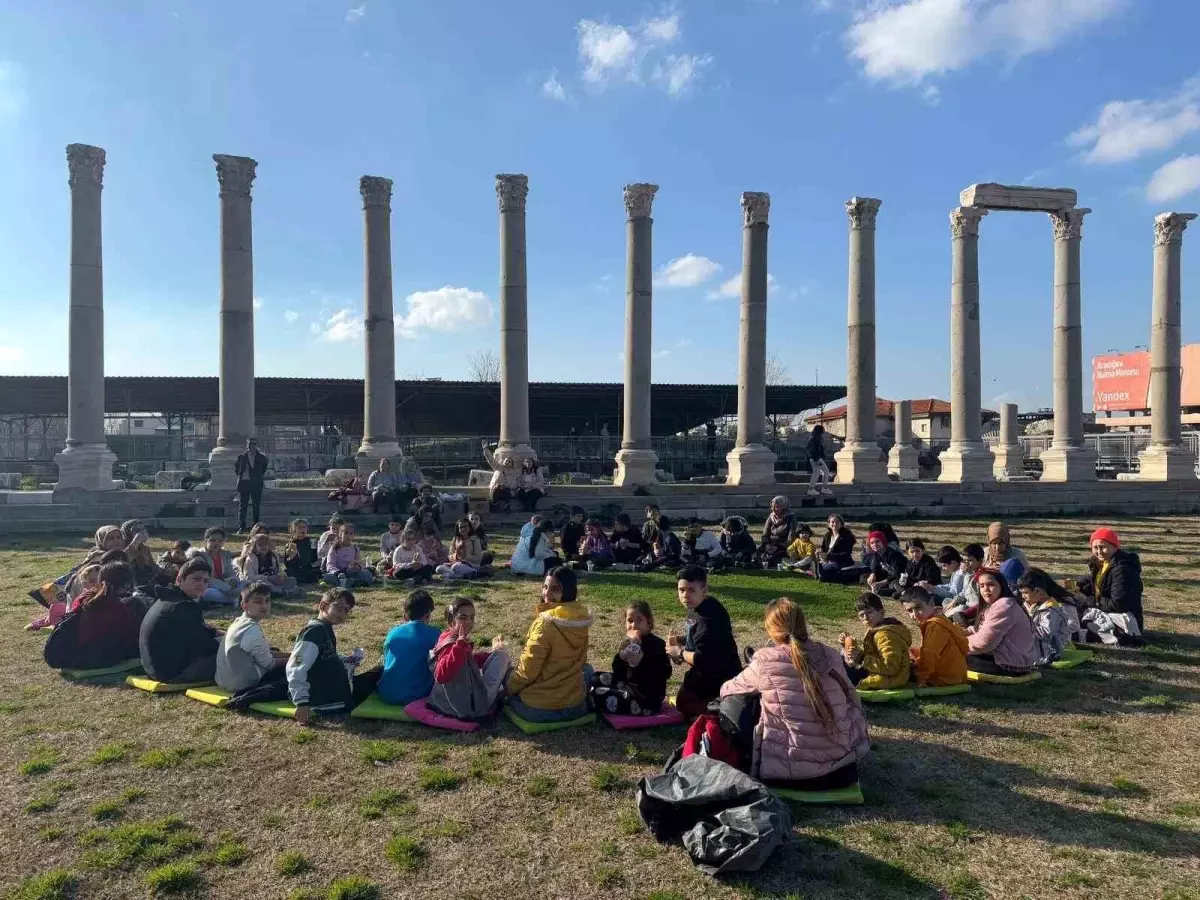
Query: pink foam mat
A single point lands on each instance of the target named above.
(668, 715)
(421, 713)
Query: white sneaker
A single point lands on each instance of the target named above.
(813, 492)
(827, 491)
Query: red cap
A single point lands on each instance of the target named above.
(1107, 535)
(876, 535)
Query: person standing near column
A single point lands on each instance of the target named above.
(250, 469)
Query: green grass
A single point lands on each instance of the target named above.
(438, 778)
(107, 810)
(448, 828)
(353, 887)
(51, 833)
(645, 755)
(57, 884)
(939, 710)
(174, 878)
(541, 786)
(136, 844)
(608, 779)
(1127, 788)
(432, 753)
(385, 801)
(161, 759)
(381, 751)
(405, 853)
(608, 877)
(292, 863)
(230, 854)
(40, 763)
(109, 754)
(303, 737)
(964, 886)
(628, 823)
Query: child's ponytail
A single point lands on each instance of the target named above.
(784, 623)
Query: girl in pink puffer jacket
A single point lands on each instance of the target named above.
(812, 723)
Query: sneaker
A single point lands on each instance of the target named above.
(827, 491)
(813, 492)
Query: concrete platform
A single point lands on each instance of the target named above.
(188, 513)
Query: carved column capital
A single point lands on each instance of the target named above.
(757, 207)
(512, 191)
(638, 199)
(1169, 227)
(964, 221)
(862, 212)
(235, 174)
(85, 164)
(1068, 223)
(376, 191)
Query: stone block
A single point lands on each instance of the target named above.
(1171, 464)
(164, 481)
(338, 477)
(1018, 197)
(10, 481)
(966, 464)
(753, 464)
(860, 464)
(635, 468)
(1068, 464)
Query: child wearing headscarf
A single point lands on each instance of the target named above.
(1000, 548)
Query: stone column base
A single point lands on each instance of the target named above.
(635, 468)
(752, 464)
(1068, 464)
(371, 452)
(518, 453)
(967, 463)
(86, 467)
(1010, 462)
(1166, 463)
(903, 462)
(220, 462)
(860, 464)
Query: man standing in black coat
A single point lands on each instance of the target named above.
(250, 468)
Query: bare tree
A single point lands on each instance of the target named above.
(777, 373)
(484, 365)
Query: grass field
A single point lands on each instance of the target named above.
(1084, 784)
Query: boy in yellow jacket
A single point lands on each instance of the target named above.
(942, 659)
(881, 662)
(550, 680)
(801, 552)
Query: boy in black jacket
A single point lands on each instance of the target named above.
(572, 533)
(317, 676)
(921, 567)
(737, 543)
(300, 556)
(887, 565)
(174, 643)
(707, 649)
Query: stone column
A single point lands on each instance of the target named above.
(1067, 458)
(514, 321)
(379, 383)
(235, 174)
(86, 463)
(636, 461)
(860, 459)
(903, 459)
(750, 462)
(1166, 459)
(967, 458)
(1010, 458)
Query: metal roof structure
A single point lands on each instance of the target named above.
(422, 407)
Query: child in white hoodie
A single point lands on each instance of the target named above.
(244, 658)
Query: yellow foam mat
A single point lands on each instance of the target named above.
(144, 683)
(945, 690)
(1004, 679)
(847, 796)
(213, 696)
(889, 696)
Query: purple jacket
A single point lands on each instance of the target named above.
(598, 547)
(790, 741)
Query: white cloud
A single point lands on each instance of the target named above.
(342, 326)
(257, 303)
(605, 50)
(906, 41)
(446, 309)
(676, 73)
(1127, 129)
(686, 271)
(11, 355)
(356, 12)
(553, 88)
(291, 316)
(664, 30)
(1178, 178)
(732, 288)
(12, 98)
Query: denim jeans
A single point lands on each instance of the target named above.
(361, 578)
(533, 714)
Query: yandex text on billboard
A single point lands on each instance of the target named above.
(1121, 381)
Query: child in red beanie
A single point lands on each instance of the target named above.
(1112, 607)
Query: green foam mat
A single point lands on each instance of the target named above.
(285, 710)
(1004, 679)
(1072, 657)
(847, 796)
(374, 707)
(539, 727)
(945, 690)
(150, 686)
(128, 667)
(891, 696)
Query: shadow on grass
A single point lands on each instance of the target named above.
(931, 784)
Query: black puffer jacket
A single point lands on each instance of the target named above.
(1121, 589)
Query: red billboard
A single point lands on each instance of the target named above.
(1121, 381)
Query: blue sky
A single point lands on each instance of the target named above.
(811, 100)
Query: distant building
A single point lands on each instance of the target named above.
(930, 419)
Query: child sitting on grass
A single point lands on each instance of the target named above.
(317, 676)
(245, 660)
(390, 539)
(172, 559)
(88, 579)
(478, 531)
(708, 648)
(427, 506)
(776, 534)
(701, 547)
(344, 563)
(260, 562)
(942, 657)
(406, 650)
(466, 683)
(963, 607)
(329, 535)
(174, 643)
(665, 549)
(432, 547)
(1052, 611)
(466, 554)
(737, 543)
(921, 567)
(573, 534)
(595, 550)
(299, 557)
(408, 561)
(801, 552)
(627, 544)
(223, 585)
(637, 684)
(881, 662)
(887, 565)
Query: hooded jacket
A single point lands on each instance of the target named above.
(526, 563)
(790, 740)
(1005, 631)
(549, 674)
(885, 656)
(458, 687)
(173, 634)
(1117, 588)
(777, 531)
(943, 657)
(1051, 629)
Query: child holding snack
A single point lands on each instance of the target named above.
(637, 684)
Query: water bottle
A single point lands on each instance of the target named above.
(591, 566)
